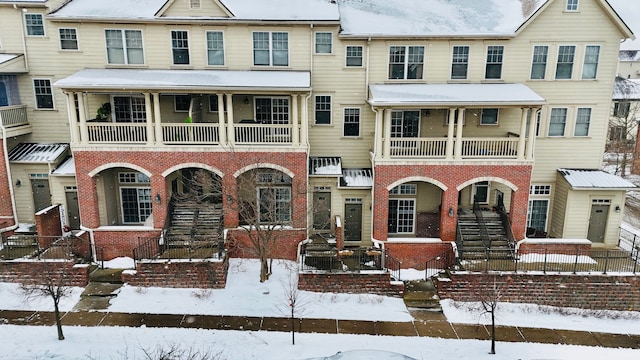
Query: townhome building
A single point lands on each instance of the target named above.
(379, 123)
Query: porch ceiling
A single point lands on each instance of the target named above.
(464, 95)
(186, 80)
(12, 64)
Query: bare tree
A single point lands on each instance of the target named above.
(56, 285)
(623, 123)
(294, 299)
(489, 297)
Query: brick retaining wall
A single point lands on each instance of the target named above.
(350, 283)
(594, 292)
(207, 274)
(38, 271)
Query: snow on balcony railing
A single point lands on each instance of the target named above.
(262, 134)
(419, 147)
(490, 148)
(131, 133)
(13, 115)
(194, 133)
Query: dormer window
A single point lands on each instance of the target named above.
(194, 4)
(572, 5)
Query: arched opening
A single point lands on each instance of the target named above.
(414, 210)
(124, 197)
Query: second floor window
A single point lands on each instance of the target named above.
(124, 47)
(572, 5)
(44, 96)
(272, 110)
(323, 110)
(539, 62)
(558, 121)
(68, 39)
(591, 58)
(34, 24)
(270, 48)
(621, 108)
(182, 103)
(354, 56)
(180, 47)
(459, 62)
(215, 48)
(323, 43)
(583, 119)
(129, 109)
(351, 122)
(406, 62)
(405, 124)
(494, 62)
(489, 117)
(564, 68)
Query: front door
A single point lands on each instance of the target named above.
(353, 221)
(41, 193)
(4, 98)
(73, 210)
(321, 211)
(598, 222)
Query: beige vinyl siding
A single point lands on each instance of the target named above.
(580, 213)
(23, 193)
(58, 193)
(12, 29)
(208, 8)
(560, 202)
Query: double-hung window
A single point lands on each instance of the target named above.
(124, 47)
(129, 109)
(539, 62)
(34, 24)
(406, 62)
(270, 48)
(323, 110)
(460, 62)
(558, 121)
(44, 95)
(583, 119)
(323, 43)
(495, 54)
(180, 47)
(351, 122)
(405, 124)
(621, 109)
(272, 110)
(274, 197)
(401, 216)
(68, 39)
(215, 48)
(354, 56)
(572, 5)
(564, 67)
(489, 117)
(591, 58)
(135, 197)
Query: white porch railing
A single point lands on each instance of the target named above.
(419, 147)
(506, 148)
(262, 134)
(131, 133)
(11, 116)
(194, 133)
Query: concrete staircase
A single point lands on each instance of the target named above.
(194, 222)
(421, 295)
(478, 236)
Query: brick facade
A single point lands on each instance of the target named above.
(555, 246)
(113, 244)
(596, 292)
(286, 244)
(6, 209)
(38, 272)
(351, 283)
(413, 255)
(48, 225)
(179, 274)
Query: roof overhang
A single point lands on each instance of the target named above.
(186, 80)
(436, 95)
(593, 179)
(38, 153)
(12, 64)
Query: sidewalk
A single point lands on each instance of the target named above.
(429, 324)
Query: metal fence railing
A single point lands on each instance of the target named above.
(153, 248)
(439, 263)
(345, 260)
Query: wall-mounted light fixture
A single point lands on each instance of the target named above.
(427, 113)
(18, 183)
(618, 208)
(246, 100)
(230, 199)
(450, 212)
(158, 198)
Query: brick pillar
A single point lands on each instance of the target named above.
(87, 196)
(230, 202)
(160, 200)
(518, 213)
(6, 210)
(339, 234)
(447, 222)
(48, 226)
(380, 212)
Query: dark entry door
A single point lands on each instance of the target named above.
(4, 98)
(353, 222)
(73, 210)
(41, 194)
(322, 211)
(598, 222)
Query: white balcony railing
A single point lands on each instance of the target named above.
(419, 147)
(11, 116)
(195, 133)
(130, 133)
(472, 148)
(505, 148)
(262, 134)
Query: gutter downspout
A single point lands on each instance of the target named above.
(24, 37)
(92, 240)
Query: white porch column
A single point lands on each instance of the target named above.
(450, 131)
(157, 118)
(295, 136)
(378, 134)
(230, 132)
(523, 129)
(304, 123)
(387, 134)
(73, 117)
(222, 133)
(150, 119)
(84, 131)
(531, 141)
(460, 125)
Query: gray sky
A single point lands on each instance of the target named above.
(629, 10)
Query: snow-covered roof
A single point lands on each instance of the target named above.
(37, 153)
(8, 57)
(284, 10)
(356, 178)
(453, 94)
(186, 79)
(67, 168)
(326, 166)
(629, 55)
(433, 17)
(626, 89)
(583, 179)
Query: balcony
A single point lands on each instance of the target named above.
(471, 148)
(14, 120)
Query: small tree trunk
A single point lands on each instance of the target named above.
(58, 322)
(493, 332)
(293, 327)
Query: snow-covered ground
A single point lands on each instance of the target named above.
(244, 295)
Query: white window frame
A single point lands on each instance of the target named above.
(36, 93)
(572, 5)
(596, 63)
(270, 50)
(564, 124)
(140, 201)
(535, 60)
(215, 96)
(180, 47)
(125, 48)
(132, 108)
(397, 131)
(224, 51)
(480, 121)
(329, 109)
(539, 189)
(454, 61)
(492, 59)
(480, 184)
(273, 115)
(359, 122)
(581, 121)
(412, 221)
(315, 43)
(347, 57)
(175, 103)
(406, 63)
(28, 25)
(546, 216)
(622, 108)
(75, 35)
(288, 201)
(404, 189)
(558, 62)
